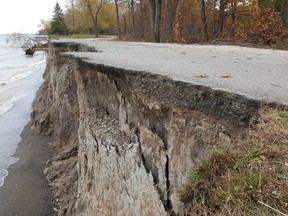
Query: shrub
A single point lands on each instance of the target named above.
(269, 26)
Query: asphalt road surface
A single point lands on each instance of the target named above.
(256, 73)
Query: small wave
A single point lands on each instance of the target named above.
(3, 173)
(9, 67)
(9, 104)
(3, 177)
(1, 182)
(16, 77)
(36, 63)
(25, 72)
(3, 168)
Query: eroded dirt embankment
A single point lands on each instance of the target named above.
(126, 141)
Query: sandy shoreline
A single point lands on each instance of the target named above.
(25, 191)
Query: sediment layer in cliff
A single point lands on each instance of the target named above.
(126, 141)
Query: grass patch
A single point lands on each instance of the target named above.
(250, 178)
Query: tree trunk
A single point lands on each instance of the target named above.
(118, 19)
(233, 18)
(133, 17)
(204, 20)
(129, 17)
(142, 19)
(171, 8)
(177, 36)
(215, 24)
(125, 24)
(158, 20)
(95, 25)
(73, 16)
(71, 2)
(152, 18)
(94, 18)
(221, 17)
(155, 17)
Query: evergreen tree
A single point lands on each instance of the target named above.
(58, 25)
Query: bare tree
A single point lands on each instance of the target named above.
(222, 16)
(204, 20)
(118, 19)
(94, 17)
(142, 19)
(233, 18)
(177, 36)
(72, 4)
(133, 16)
(171, 7)
(155, 19)
(28, 43)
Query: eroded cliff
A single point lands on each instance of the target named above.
(126, 141)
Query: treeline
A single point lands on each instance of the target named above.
(181, 21)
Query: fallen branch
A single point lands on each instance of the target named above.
(28, 44)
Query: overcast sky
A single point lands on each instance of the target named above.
(24, 15)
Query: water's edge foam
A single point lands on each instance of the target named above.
(9, 104)
(18, 84)
(12, 161)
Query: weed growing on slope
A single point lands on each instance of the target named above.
(250, 178)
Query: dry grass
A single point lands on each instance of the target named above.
(248, 179)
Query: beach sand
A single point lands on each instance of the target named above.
(25, 191)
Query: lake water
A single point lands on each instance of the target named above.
(20, 78)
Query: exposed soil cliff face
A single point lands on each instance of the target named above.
(56, 113)
(126, 141)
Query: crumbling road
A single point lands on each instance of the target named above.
(256, 73)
